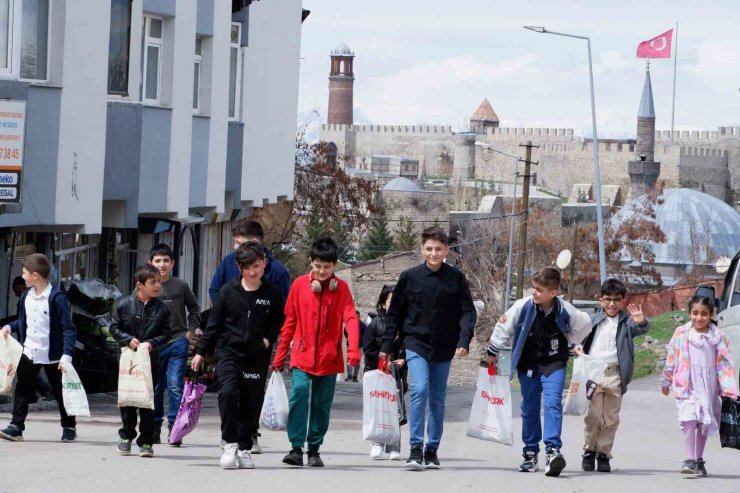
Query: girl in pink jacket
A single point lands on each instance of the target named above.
(699, 368)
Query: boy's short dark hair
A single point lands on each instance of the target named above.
(145, 272)
(248, 229)
(248, 253)
(161, 249)
(38, 263)
(325, 250)
(548, 277)
(433, 233)
(613, 287)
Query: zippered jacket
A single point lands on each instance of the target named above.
(676, 371)
(575, 324)
(62, 331)
(314, 323)
(240, 320)
(627, 330)
(148, 322)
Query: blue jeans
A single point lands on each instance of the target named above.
(171, 372)
(549, 389)
(428, 383)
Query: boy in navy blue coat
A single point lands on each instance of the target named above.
(45, 329)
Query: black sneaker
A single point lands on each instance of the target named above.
(124, 446)
(530, 462)
(603, 463)
(69, 435)
(416, 459)
(700, 469)
(314, 459)
(688, 467)
(146, 450)
(12, 432)
(554, 463)
(157, 433)
(294, 457)
(430, 458)
(589, 461)
(169, 432)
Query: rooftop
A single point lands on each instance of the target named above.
(343, 50)
(485, 112)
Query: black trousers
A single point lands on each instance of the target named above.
(264, 371)
(25, 391)
(241, 386)
(146, 424)
(145, 419)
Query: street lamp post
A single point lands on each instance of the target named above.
(507, 294)
(597, 173)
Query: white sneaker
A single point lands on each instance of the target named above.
(256, 448)
(394, 455)
(377, 452)
(229, 459)
(244, 458)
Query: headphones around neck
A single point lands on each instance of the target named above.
(317, 286)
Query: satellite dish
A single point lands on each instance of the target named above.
(563, 260)
(722, 264)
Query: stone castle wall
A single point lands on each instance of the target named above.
(424, 208)
(564, 159)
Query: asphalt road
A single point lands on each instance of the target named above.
(648, 453)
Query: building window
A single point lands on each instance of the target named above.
(235, 69)
(6, 35)
(152, 59)
(34, 39)
(118, 47)
(196, 74)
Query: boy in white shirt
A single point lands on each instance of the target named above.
(611, 340)
(48, 336)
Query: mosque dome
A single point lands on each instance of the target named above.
(401, 184)
(686, 213)
(343, 50)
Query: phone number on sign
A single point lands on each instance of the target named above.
(9, 153)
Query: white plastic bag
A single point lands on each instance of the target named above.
(380, 408)
(10, 355)
(587, 371)
(135, 388)
(73, 393)
(490, 414)
(274, 415)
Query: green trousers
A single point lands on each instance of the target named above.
(318, 394)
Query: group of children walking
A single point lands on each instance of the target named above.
(421, 323)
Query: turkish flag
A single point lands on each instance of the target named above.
(658, 47)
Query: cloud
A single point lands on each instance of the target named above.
(613, 62)
(717, 64)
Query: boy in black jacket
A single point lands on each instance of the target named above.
(242, 325)
(141, 321)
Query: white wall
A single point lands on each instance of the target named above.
(81, 154)
(270, 100)
(218, 104)
(181, 30)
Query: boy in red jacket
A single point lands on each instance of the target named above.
(318, 306)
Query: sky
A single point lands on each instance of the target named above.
(433, 62)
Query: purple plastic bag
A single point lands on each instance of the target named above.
(187, 416)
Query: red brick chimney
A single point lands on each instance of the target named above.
(341, 85)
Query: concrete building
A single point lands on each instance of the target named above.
(146, 121)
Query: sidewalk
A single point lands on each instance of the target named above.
(647, 454)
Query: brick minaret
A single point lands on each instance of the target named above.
(644, 170)
(341, 85)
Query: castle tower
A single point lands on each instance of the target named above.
(341, 85)
(644, 170)
(483, 118)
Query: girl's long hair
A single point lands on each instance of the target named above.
(384, 293)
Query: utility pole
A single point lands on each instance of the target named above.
(572, 276)
(525, 217)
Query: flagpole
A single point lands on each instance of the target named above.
(675, 62)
